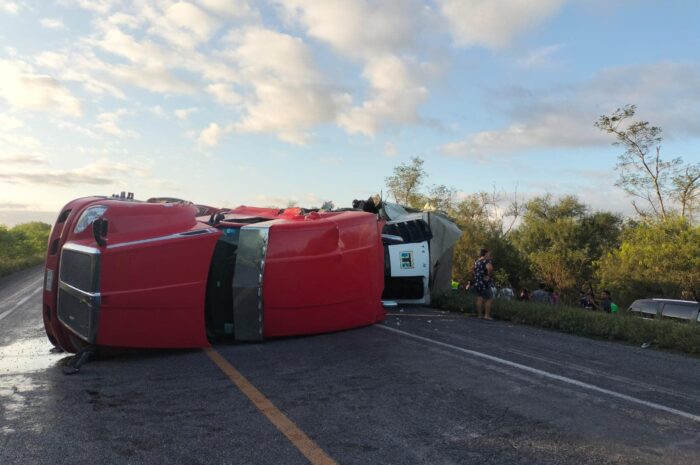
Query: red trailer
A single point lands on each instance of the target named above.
(125, 273)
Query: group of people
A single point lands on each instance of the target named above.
(540, 295)
(485, 289)
(606, 304)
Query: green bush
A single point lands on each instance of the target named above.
(22, 246)
(621, 326)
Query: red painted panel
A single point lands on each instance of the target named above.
(323, 275)
(244, 211)
(132, 221)
(153, 293)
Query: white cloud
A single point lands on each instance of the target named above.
(184, 113)
(155, 79)
(23, 159)
(108, 123)
(16, 148)
(100, 172)
(51, 60)
(390, 149)
(117, 42)
(383, 36)
(12, 206)
(182, 24)
(78, 129)
(9, 122)
(19, 141)
(52, 23)
(210, 136)
(494, 23)
(593, 187)
(210, 68)
(127, 20)
(224, 94)
(331, 160)
(158, 111)
(270, 78)
(155, 62)
(82, 70)
(539, 58)
(360, 28)
(396, 93)
(236, 9)
(666, 95)
(98, 6)
(553, 130)
(9, 7)
(22, 88)
(290, 95)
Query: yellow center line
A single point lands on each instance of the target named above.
(296, 436)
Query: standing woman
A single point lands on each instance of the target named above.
(483, 269)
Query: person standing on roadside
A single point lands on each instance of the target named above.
(605, 302)
(540, 295)
(554, 297)
(582, 299)
(483, 269)
(506, 292)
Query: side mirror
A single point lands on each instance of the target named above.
(100, 227)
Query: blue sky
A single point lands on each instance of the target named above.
(228, 102)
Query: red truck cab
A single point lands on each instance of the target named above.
(125, 273)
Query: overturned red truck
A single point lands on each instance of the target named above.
(126, 273)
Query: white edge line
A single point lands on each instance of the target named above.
(18, 304)
(24, 289)
(547, 374)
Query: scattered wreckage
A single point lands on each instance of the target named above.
(157, 274)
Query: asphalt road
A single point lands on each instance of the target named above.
(425, 387)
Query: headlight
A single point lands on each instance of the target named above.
(48, 284)
(88, 217)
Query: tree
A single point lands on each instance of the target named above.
(561, 240)
(32, 236)
(655, 259)
(509, 264)
(22, 246)
(441, 197)
(486, 220)
(498, 211)
(687, 190)
(404, 185)
(644, 175)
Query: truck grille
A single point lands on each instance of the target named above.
(78, 290)
(74, 312)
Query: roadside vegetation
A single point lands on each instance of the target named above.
(566, 245)
(22, 246)
(662, 334)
